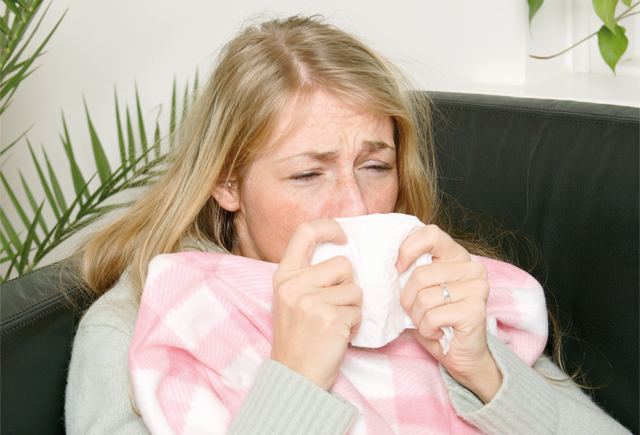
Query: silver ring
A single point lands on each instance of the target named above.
(445, 292)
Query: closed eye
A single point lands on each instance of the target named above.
(307, 175)
(379, 167)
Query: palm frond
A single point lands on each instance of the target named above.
(140, 166)
(121, 145)
(172, 119)
(16, 204)
(10, 57)
(76, 174)
(102, 163)
(57, 191)
(45, 184)
(33, 203)
(8, 147)
(143, 134)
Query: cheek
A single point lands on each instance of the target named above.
(382, 198)
(272, 217)
(274, 213)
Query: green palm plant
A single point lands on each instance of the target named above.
(140, 157)
(140, 164)
(14, 26)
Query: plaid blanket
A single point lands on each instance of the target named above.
(205, 327)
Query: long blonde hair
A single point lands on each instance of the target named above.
(257, 73)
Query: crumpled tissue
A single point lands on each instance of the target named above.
(374, 241)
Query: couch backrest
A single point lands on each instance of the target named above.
(38, 324)
(566, 175)
(563, 173)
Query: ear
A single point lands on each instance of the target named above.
(227, 196)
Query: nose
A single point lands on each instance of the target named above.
(350, 197)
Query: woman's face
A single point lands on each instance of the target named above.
(336, 161)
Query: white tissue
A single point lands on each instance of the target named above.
(374, 241)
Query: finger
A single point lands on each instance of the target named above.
(304, 240)
(433, 297)
(354, 331)
(352, 317)
(312, 280)
(463, 317)
(429, 239)
(334, 271)
(346, 295)
(343, 295)
(431, 275)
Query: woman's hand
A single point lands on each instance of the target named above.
(468, 361)
(316, 309)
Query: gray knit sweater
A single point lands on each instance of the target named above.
(99, 399)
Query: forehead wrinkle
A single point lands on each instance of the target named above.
(323, 156)
(316, 155)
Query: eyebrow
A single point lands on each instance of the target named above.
(377, 145)
(370, 146)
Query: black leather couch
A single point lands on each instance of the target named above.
(563, 176)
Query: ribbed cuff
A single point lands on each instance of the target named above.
(282, 401)
(525, 403)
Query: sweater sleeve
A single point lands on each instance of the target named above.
(99, 400)
(282, 401)
(99, 397)
(529, 403)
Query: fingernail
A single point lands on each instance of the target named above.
(399, 266)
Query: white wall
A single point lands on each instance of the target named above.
(462, 45)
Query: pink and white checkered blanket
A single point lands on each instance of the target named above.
(205, 327)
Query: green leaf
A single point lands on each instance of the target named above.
(76, 174)
(534, 5)
(26, 246)
(10, 256)
(6, 30)
(195, 83)
(185, 102)
(7, 101)
(36, 54)
(23, 217)
(627, 3)
(11, 84)
(54, 234)
(132, 144)
(156, 140)
(89, 203)
(22, 3)
(143, 134)
(612, 45)
(19, 67)
(4, 260)
(606, 9)
(104, 170)
(98, 213)
(54, 184)
(15, 141)
(45, 185)
(32, 201)
(123, 151)
(172, 120)
(15, 67)
(11, 5)
(6, 245)
(8, 228)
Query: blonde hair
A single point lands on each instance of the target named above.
(257, 74)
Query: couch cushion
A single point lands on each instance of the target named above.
(566, 175)
(38, 323)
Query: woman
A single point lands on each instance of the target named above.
(300, 123)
